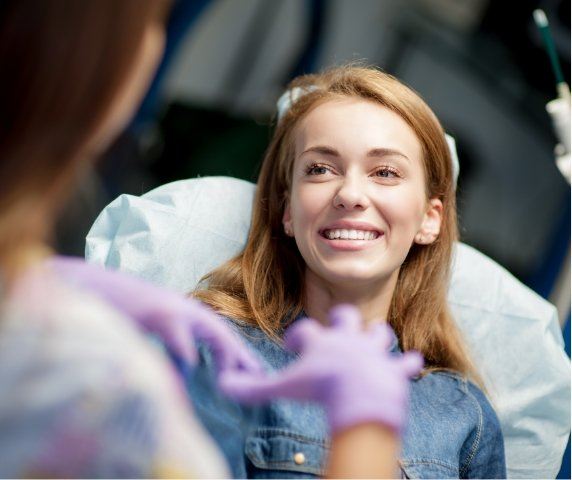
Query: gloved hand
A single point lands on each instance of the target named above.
(345, 368)
(176, 319)
(559, 110)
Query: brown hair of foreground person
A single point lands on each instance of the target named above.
(65, 65)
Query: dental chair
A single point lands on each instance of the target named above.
(178, 232)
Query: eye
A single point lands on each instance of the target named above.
(318, 169)
(387, 172)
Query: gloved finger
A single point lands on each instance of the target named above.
(177, 337)
(301, 334)
(235, 357)
(200, 311)
(383, 336)
(228, 348)
(181, 341)
(229, 351)
(293, 383)
(346, 316)
(411, 363)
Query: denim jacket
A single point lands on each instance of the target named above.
(452, 430)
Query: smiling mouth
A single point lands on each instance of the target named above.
(349, 234)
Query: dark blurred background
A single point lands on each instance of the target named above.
(480, 64)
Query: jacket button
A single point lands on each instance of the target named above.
(299, 458)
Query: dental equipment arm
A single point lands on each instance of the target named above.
(559, 108)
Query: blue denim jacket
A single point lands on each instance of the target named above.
(452, 430)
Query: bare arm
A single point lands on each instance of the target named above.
(367, 450)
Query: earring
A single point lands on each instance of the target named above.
(288, 231)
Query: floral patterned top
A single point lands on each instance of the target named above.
(84, 394)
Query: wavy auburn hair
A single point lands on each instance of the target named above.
(264, 285)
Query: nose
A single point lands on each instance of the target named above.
(351, 195)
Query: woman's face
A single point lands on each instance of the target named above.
(358, 198)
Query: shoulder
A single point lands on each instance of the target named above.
(456, 416)
(441, 401)
(86, 388)
(486, 411)
(450, 391)
(485, 453)
(443, 389)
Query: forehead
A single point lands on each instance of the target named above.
(356, 126)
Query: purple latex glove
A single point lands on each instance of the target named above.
(345, 368)
(176, 319)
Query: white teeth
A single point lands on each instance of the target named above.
(343, 234)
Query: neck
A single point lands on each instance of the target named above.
(26, 225)
(21, 259)
(372, 298)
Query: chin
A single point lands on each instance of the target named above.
(356, 276)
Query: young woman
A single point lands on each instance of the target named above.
(355, 204)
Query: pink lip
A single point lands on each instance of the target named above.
(350, 245)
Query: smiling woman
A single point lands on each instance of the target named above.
(355, 204)
(350, 120)
(357, 187)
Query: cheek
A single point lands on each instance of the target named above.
(403, 208)
(307, 202)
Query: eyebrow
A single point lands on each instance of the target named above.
(373, 153)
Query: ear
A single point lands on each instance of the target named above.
(431, 224)
(287, 220)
